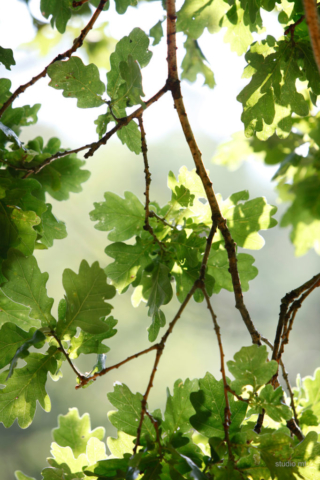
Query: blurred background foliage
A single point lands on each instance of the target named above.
(192, 350)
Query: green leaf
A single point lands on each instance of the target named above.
(306, 456)
(26, 387)
(209, 403)
(179, 408)
(238, 29)
(129, 261)
(75, 431)
(24, 223)
(87, 343)
(218, 268)
(6, 57)
(108, 468)
(11, 339)
(312, 389)
(251, 367)
(63, 176)
(196, 15)
(131, 91)
(130, 135)
(122, 5)
(50, 228)
(157, 290)
(156, 32)
(36, 340)
(244, 220)
(135, 45)
(124, 217)
(193, 64)
(271, 401)
(16, 313)
(27, 285)
(271, 97)
(58, 10)
(77, 81)
(122, 444)
(21, 476)
(195, 471)
(85, 295)
(63, 458)
(127, 418)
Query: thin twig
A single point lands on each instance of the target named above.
(227, 410)
(292, 425)
(79, 3)
(144, 150)
(156, 427)
(95, 145)
(160, 348)
(66, 354)
(153, 214)
(67, 54)
(85, 380)
(174, 84)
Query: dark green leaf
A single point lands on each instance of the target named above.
(50, 228)
(127, 417)
(6, 57)
(122, 5)
(131, 91)
(11, 339)
(36, 340)
(179, 407)
(209, 403)
(77, 81)
(87, 343)
(86, 293)
(58, 10)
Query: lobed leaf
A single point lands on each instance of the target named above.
(86, 293)
(209, 404)
(6, 57)
(251, 367)
(196, 15)
(77, 81)
(126, 419)
(87, 343)
(193, 64)
(124, 217)
(27, 286)
(59, 11)
(26, 387)
(75, 431)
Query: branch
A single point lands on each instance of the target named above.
(144, 150)
(66, 354)
(95, 145)
(227, 410)
(292, 424)
(85, 380)
(217, 218)
(67, 54)
(160, 348)
(311, 14)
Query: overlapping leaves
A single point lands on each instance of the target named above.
(271, 97)
(25, 312)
